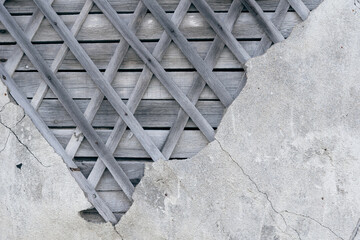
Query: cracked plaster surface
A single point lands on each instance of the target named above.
(285, 163)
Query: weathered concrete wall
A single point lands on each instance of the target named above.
(285, 163)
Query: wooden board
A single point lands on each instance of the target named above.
(97, 27)
(150, 113)
(190, 143)
(173, 58)
(70, 6)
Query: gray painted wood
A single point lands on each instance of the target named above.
(60, 56)
(109, 75)
(139, 90)
(213, 82)
(74, 6)
(270, 29)
(266, 42)
(149, 113)
(222, 30)
(90, 192)
(156, 68)
(300, 8)
(173, 58)
(105, 88)
(194, 26)
(73, 110)
(198, 85)
(190, 143)
(79, 84)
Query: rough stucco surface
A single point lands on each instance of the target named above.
(285, 163)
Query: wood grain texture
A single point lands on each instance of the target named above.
(149, 113)
(173, 58)
(60, 56)
(190, 143)
(206, 73)
(269, 28)
(53, 82)
(139, 91)
(79, 84)
(74, 6)
(157, 69)
(97, 28)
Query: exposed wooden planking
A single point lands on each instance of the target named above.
(109, 92)
(70, 6)
(60, 56)
(157, 69)
(139, 90)
(300, 8)
(150, 113)
(173, 58)
(206, 73)
(79, 84)
(90, 192)
(222, 30)
(190, 143)
(107, 182)
(198, 85)
(109, 75)
(53, 82)
(133, 169)
(194, 26)
(269, 28)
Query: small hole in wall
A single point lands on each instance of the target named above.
(19, 165)
(91, 215)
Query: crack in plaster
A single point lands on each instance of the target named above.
(272, 205)
(23, 144)
(356, 229)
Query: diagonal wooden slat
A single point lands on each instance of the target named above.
(138, 92)
(100, 82)
(269, 28)
(190, 53)
(30, 30)
(300, 8)
(43, 87)
(50, 78)
(110, 72)
(221, 30)
(266, 42)
(90, 192)
(198, 84)
(157, 69)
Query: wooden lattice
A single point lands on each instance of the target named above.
(88, 139)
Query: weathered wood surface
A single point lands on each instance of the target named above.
(92, 195)
(190, 143)
(79, 84)
(150, 113)
(152, 63)
(70, 6)
(55, 65)
(139, 90)
(97, 27)
(198, 86)
(206, 73)
(173, 58)
(53, 82)
(270, 29)
(300, 8)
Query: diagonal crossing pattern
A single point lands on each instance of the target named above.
(152, 59)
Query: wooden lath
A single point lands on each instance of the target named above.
(84, 130)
